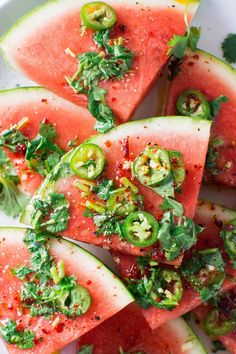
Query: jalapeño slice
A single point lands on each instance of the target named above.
(215, 325)
(173, 292)
(152, 167)
(98, 16)
(87, 161)
(193, 103)
(141, 229)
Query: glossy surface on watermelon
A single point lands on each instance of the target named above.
(107, 292)
(146, 26)
(204, 72)
(38, 105)
(209, 215)
(129, 331)
(121, 146)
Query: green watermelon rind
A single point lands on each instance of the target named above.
(191, 342)
(17, 232)
(215, 210)
(24, 22)
(203, 125)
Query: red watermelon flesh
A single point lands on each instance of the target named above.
(228, 340)
(212, 217)
(121, 145)
(91, 274)
(146, 27)
(38, 105)
(213, 78)
(129, 331)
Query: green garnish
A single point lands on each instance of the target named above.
(86, 349)
(112, 61)
(41, 153)
(229, 48)
(162, 288)
(212, 156)
(176, 237)
(12, 200)
(51, 213)
(22, 339)
(178, 44)
(205, 270)
(216, 104)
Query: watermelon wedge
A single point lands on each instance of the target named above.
(121, 145)
(213, 217)
(38, 105)
(228, 340)
(211, 76)
(42, 54)
(54, 333)
(129, 332)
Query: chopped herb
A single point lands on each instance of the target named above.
(42, 154)
(171, 204)
(162, 288)
(213, 154)
(176, 238)
(104, 189)
(22, 339)
(216, 104)
(12, 200)
(174, 67)
(229, 48)
(112, 61)
(205, 270)
(13, 139)
(21, 272)
(86, 349)
(51, 213)
(217, 346)
(179, 44)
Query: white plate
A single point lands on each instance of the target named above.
(216, 17)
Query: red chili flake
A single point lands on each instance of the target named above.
(114, 99)
(191, 63)
(125, 147)
(45, 121)
(89, 282)
(196, 56)
(21, 148)
(218, 223)
(45, 331)
(198, 167)
(44, 100)
(108, 144)
(10, 307)
(60, 327)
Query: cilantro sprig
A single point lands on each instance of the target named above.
(112, 61)
(178, 44)
(22, 339)
(229, 48)
(12, 200)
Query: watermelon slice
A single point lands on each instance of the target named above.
(229, 340)
(146, 26)
(212, 217)
(129, 332)
(38, 105)
(121, 145)
(204, 72)
(91, 274)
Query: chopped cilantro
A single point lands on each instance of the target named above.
(229, 48)
(42, 154)
(205, 270)
(176, 238)
(171, 204)
(218, 346)
(51, 213)
(13, 139)
(22, 339)
(12, 200)
(21, 272)
(179, 44)
(216, 104)
(104, 189)
(86, 349)
(160, 288)
(213, 154)
(114, 61)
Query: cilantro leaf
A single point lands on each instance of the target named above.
(216, 104)
(113, 62)
(178, 44)
(51, 213)
(104, 189)
(176, 238)
(21, 272)
(229, 48)
(13, 139)
(12, 200)
(171, 204)
(86, 349)
(205, 270)
(22, 339)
